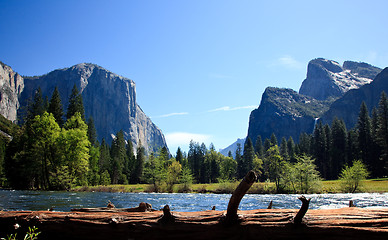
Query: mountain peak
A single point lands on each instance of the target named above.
(327, 78)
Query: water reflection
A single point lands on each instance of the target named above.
(64, 201)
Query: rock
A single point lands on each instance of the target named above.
(285, 113)
(348, 106)
(326, 78)
(107, 97)
(11, 86)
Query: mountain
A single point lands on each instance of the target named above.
(329, 90)
(108, 98)
(11, 86)
(348, 106)
(233, 147)
(327, 78)
(286, 113)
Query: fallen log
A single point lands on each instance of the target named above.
(143, 207)
(344, 223)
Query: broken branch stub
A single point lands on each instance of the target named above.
(238, 194)
(302, 211)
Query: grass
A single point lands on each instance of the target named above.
(330, 186)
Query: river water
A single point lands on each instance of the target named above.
(64, 201)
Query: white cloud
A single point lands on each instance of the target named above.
(288, 62)
(184, 138)
(227, 108)
(172, 114)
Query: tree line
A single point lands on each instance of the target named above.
(51, 151)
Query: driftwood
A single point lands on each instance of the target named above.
(238, 194)
(344, 224)
(142, 223)
(143, 207)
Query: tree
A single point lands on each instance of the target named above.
(55, 107)
(139, 164)
(179, 155)
(275, 165)
(338, 148)
(239, 161)
(382, 131)
(173, 172)
(92, 133)
(74, 144)
(228, 168)
(248, 156)
(364, 133)
(35, 108)
(306, 174)
(75, 104)
(259, 149)
(351, 177)
(291, 149)
(283, 148)
(119, 159)
(274, 140)
(43, 151)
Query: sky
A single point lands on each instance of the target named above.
(200, 66)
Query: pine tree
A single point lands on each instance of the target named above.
(75, 104)
(259, 149)
(239, 160)
(291, 149)
(248, 156)
(92, 133)
(55, 107)
(274, 140)
(283, 148)
(364, 134)
(118, 154)
(139, 164)
(36, 107)
(179, 155)
(382, 131)
(338, 149)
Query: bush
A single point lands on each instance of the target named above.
(352, 177)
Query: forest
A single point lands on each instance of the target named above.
(48, 153)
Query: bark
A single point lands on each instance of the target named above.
(302, 211)
(345, 224)
(238, 194)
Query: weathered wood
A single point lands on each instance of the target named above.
(269, 205)
(143, 207)
(167, 217)
(344, 224)
(238, 194)
(302, 211)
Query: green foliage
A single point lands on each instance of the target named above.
(55, 107)
(32, 234)
(352, 177)
(75, 104)
(306, 175)
(274, 165)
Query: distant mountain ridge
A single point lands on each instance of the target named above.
(108, 98)
(329, 90)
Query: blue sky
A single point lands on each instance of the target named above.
(200, 66)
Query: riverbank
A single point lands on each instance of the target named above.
(332, 186)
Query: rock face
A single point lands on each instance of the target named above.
(11, 86)
(109, 98)
(326, 78)
(348, 106)
(233, 147)
(285, 113)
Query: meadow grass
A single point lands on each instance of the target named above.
(329, 186)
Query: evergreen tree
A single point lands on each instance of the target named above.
(338, 148)
(119, 159)
(274, 140)
(36, 107)
(364, 134)
(267, 144)
(248, 156)
(259, 149)
(382, 132)
(105, 159)
(139, 164)
(284, 149)
(352, 150)
(291, 149)
(75, 104)
(55, 107)
(179, 155)
(240, 164)
(92, 133)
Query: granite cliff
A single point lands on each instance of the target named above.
(11, 86)
(109, 98)
(329, 90)
(286, 113)
(327, 78)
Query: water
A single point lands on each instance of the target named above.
(64, 201)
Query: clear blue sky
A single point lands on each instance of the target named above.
(200, 66)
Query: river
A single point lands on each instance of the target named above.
(64, 201)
